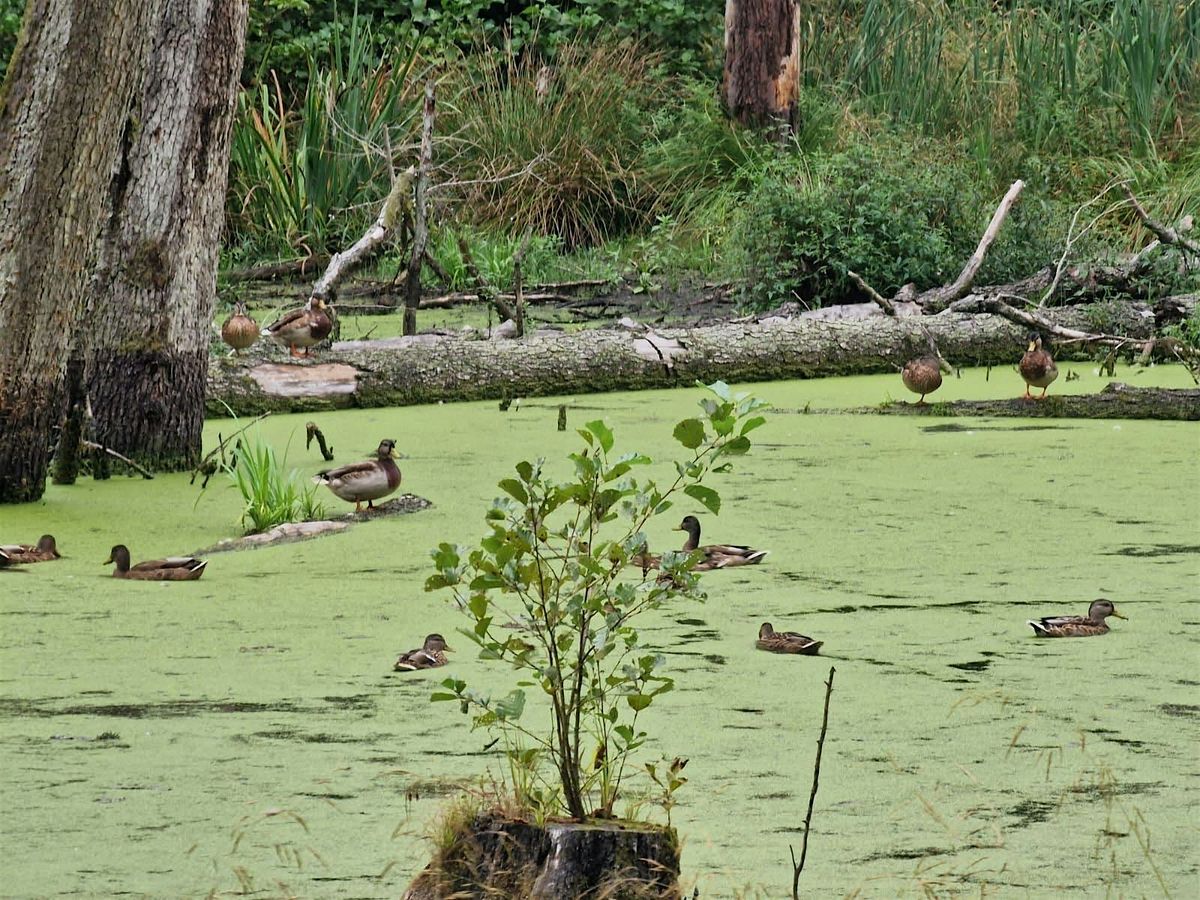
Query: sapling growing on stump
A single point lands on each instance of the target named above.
(551, 591)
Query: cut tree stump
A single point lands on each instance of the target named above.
(427, 369)
(496, 856)
(1116, 401)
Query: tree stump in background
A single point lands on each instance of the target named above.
(762, 47)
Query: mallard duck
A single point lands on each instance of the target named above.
(44, 550)
(302, 327)
(922, 375)
(1077, 626)
(239, 331)
(785, 641)
(367, 480)
(430, 656)
(717, 556)
(1037, 366)
(173, 568)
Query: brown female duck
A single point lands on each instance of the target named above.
(239, 331)
(717, 556)
(785, 641)
(45, 550)
(302, 327)
(173, 568)
(1037, 366)
(430, 656)
(922, 375)
(1077, 626)
(368, 480)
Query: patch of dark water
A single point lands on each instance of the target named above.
(692, 622)
(171, 708)
(290, 734)
(1151, 551)
(976, 665)
(1031, 812)
(1183, 710)
(906, 853)
(956, 427)
(715, 658)
(1126, 788)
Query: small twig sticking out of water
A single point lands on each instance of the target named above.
(797, 868)
(92, 445)
(312, 431)
(206, 466)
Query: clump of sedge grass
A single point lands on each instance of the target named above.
(272, 495)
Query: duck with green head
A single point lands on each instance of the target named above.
(717, 556)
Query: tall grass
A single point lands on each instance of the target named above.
(1103, 75)
(553, 148)
(307, 177)
(272, 495)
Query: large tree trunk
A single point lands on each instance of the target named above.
(65, 99)
(426, 369)
(762, 44)
(153, 294)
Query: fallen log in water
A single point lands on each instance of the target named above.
(429, 369)
(1116, 401)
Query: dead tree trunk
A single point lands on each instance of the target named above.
(64, 102)
(153, 293)
(412, 287)
(761, 79)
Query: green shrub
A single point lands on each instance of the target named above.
(891, 213)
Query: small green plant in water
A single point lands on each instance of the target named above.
(272, 495)
(547, 592)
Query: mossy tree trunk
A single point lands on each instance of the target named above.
(761, 80)
(66, 95)
(152, 297)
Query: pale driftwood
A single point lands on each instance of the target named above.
(412, 286)
(939, 298)
(1116, 401)
(391, 213)
(442, 368)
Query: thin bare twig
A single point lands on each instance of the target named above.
(1073, 237)
(797, 868)
(1162, 232)
(92, 445)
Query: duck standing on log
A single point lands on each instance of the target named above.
(1037, 367)
(239, 331)
(922, 376)
(304, 327)
(364, 481)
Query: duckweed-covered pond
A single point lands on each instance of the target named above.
(246, 732)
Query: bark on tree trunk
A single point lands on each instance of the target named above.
(66, 95)
(762, 45)
(153, 294)
(404, 371)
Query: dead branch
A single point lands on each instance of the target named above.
(271, 271)
(312, 431)
(1162, 232)
(412, 287)
(1074, 236)
(939, 298)
(519, 299)
(92, 445)
(797, 868)
(207, 466)
(487, 292)
(883, 303)
(393, 211)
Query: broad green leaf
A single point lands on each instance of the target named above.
(525, 470)
(737, 446)
(639, 701)
(690, 433)
(710, 498)
(750, 424)
(602, 433)
(721, 389)
(514, 489)
(435, 697)
(478, 605)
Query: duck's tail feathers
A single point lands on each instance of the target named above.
(321, 478)
(1039, 629)
(757, 556)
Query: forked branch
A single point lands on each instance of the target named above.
(797, 868)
